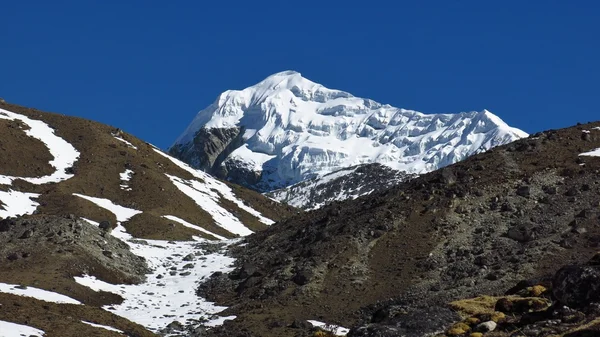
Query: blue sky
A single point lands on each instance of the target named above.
(149, 66)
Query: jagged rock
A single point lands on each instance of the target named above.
(416, 322)
(26, 234)
(577, 286)
(521, 233)
(571, 192)
(209, 147)
(105, 225)
(302, 277)
(586, 136)
(524, 191)
(248, 270)
(504, 305)
(189, 257)
(550, 190)
(6, 224)
(249, 283)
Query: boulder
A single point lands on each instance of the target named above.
(105, 225)
(521, 233)
(524, 191)
(577, 286)
(486, 326)
(6, 224)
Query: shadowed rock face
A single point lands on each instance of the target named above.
(209, 148)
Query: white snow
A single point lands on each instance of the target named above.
(211, 185)
(40, 294)
(122, 213)
(125, 178)
(208, 200)
(189, 225)
(251, 160)
(8, 329)
(109, 328)
(14, 203)
(297, 129)
(336, 330)
(168, 294)
(162, 299)
(65, 155)
(126, 142)
(593, 153)
(596, 128)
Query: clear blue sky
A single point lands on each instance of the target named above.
(149, 66)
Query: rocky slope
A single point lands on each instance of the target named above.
(391, 263)
(99, 219)
(348, 183)
(287, 129)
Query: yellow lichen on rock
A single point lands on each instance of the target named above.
(458, 329)
(476, 334)
(472, 321)
(498, 317)
(537, 290)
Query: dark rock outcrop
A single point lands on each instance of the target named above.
(209, 148)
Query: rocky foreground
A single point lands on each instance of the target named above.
(392, 263)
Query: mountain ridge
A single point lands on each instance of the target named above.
(286, 129)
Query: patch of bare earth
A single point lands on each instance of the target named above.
(103, 158)
(21, 155)
(64, 320)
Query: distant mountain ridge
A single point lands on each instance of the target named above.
(287, 129)
(348, 183)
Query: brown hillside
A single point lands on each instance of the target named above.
(477, 227)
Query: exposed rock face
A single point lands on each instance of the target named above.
(209, 148)
(577, 286)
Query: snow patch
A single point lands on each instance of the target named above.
(109, 328)
(122, 213)
(40, 294)
(208, 200)
(213, 184)
(593, 153)
(15, 203)
(335, 329)
(125, 178)
(126, 142)
(189, 225)
(8, 329)
(65, 155)
(169, 292)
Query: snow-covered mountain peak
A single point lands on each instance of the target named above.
(288, 128)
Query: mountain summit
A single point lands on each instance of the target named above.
(287, 129)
